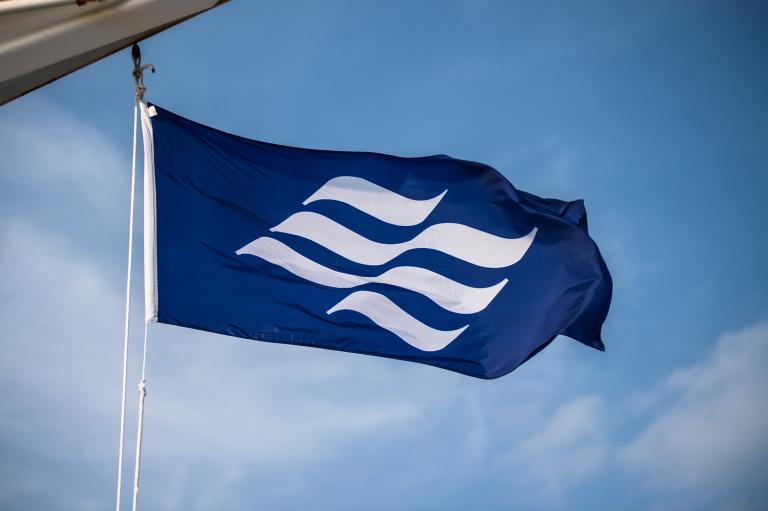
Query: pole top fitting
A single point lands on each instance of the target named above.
(138, 71)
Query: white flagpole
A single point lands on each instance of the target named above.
(127, 311)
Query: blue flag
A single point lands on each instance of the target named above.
(432, 260)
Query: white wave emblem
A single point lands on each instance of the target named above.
(389, 316)
(387, 206)
(445, 292)
(463, 242)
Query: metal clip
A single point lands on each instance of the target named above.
(138, 71)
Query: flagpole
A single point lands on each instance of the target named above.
(126, 329)
(138, 75)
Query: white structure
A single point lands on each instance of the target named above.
(42, 40)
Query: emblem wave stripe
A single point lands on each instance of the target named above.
(380, 203)
(446, 293)
(458, 240)
(382, 311)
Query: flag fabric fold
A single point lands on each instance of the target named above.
(432, 260)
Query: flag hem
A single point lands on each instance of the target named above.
(274, 338)
(150, 224)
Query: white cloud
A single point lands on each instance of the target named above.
(58, 310)
(570, 446)
(703, 440)
(46, 146)
(239, 424)
(710, 441)
(59, 363)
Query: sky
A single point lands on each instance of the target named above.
(655, 113)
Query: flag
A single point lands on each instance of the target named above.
(432, 260)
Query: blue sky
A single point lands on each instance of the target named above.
(654, 113)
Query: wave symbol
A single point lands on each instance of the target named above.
(463, 242)
(378, 202)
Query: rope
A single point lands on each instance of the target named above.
(138, 75)
(127, 311)
(139, 78)
(140, 428)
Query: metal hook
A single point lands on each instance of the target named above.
(138, 71)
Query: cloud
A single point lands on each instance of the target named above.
(46, 147)
(59, 359)
(49, 318)
(699, 440)
(570, 446)
(708, 442)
